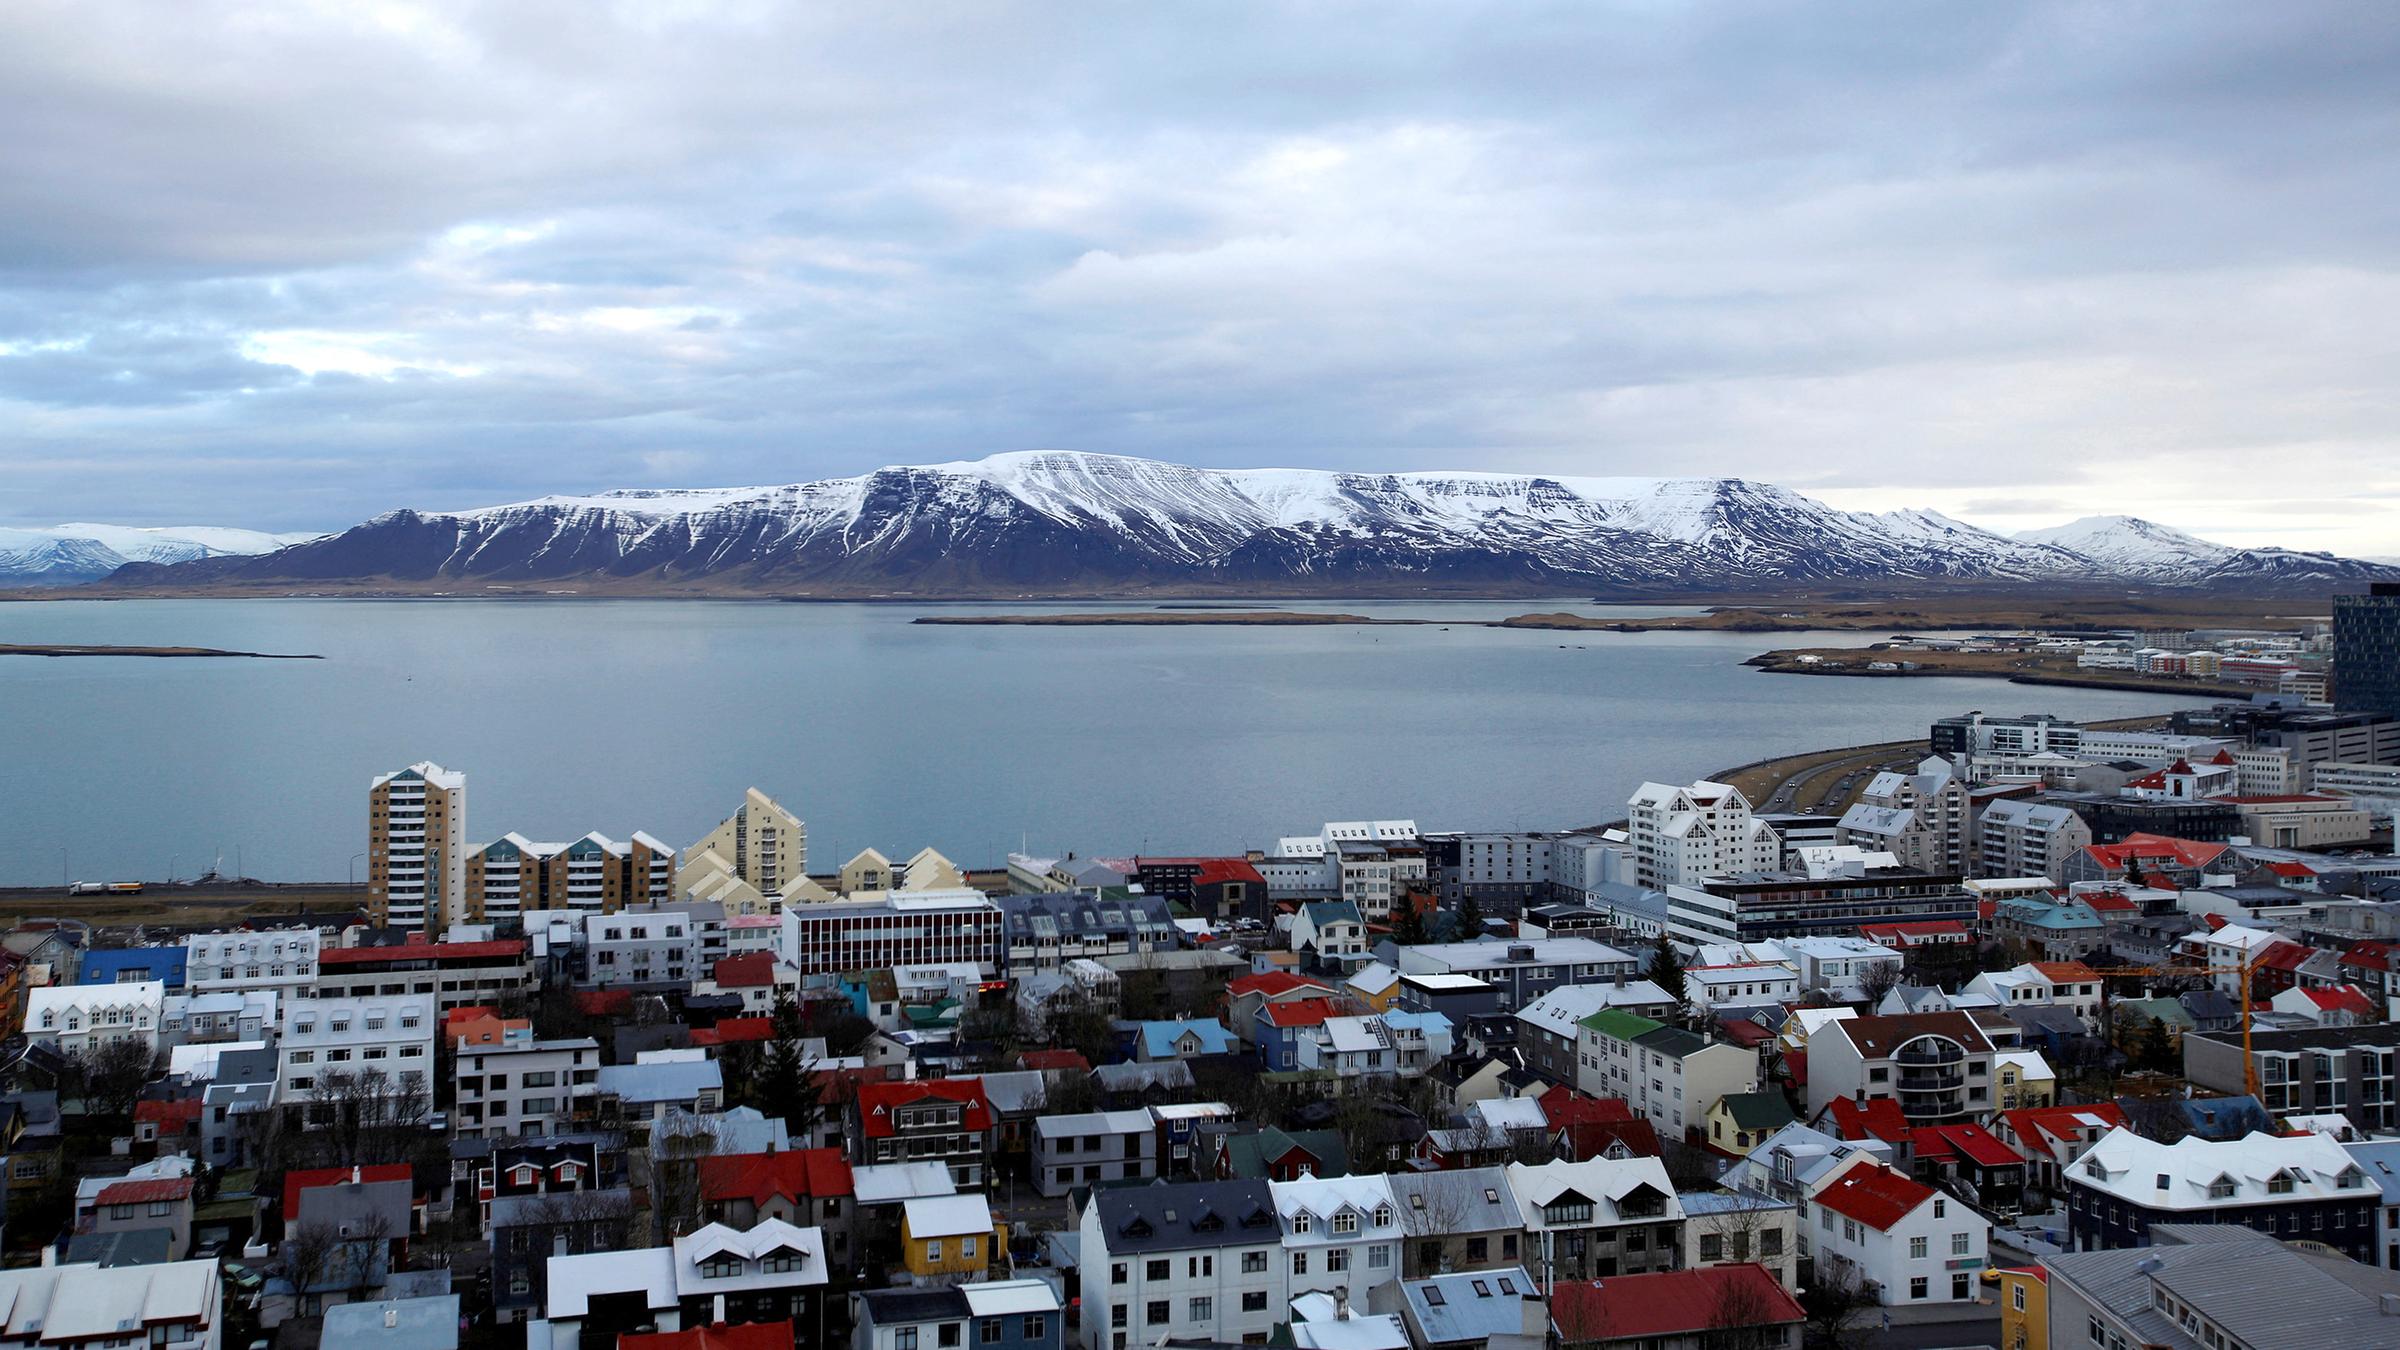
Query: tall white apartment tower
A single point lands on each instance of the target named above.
(417, 847)
(1683, 835)
(761, 843)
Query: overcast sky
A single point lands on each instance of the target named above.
(288, 266)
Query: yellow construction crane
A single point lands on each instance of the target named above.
(2172, 971)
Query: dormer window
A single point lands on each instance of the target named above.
(720, 1268)
(1345, 1223)
(1383, 1216)
(2280, 1184)
(2221, 1189)
(1300, 1221)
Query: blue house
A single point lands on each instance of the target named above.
(1281, 1026)
(995, 1315)
(131, 965)
(1184, 1038)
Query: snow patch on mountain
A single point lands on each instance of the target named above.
(84, 551)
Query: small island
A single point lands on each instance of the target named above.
(1176, 618)
(74, 649)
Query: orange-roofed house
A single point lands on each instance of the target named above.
(1910, 1242)
(1676, 1308)
(751, 977)
(153, 1202)
(2340, 1005)
(485, 1027)
(802, 1186)
(2050, 1137)
(169, 1124)
(1246, 999)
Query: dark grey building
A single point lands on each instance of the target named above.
(2366, 650)
(2316, 1069)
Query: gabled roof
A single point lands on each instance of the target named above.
(1305, 1012)
(146, 1191)
(1757, 1110)
(1879, 1037)
(1169, 1216)
(1162, 1039)
(295, 1183)
(2347, 998)
(878, 1102)
(1969, 1141)
(740, 1336)
(1874, 1118)
(750, 969)
(1873, 1194)
(801, 1173)
(1668, 1304)
(1274, 982)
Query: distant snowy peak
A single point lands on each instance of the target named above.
(81, 551)
(1068, 522)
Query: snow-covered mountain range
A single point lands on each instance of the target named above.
(1065, 523)
(62, 555)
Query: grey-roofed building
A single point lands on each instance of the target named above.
(122, 1247)
(1202, 1258)
(1136, 1084)
(1521, 971)
(1093, 1148)
(1045, 931)
(429, 1323)
(2380, 1158)
(1465, 1219)
(528, 1229)
(646, 1093)
(2214, 1287)
(2346, 1069)
(1499, 1309)
(244, 1083)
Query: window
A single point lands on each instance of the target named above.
(1156, 1270)
(1034, 1328)
(947, 1335)
(1918, 1288)
(1712, 1247)
(1204, 1310)
(1941, 1208)
(1299, 1263)
(1478, 1249)
(720, 1268)
(1337, 1258)
(1254, 1301)
(933, 1250)
(1345, 1223)
(966, 1249)
(991, 1331)
(1300, 1221)
(1958, 1244)
(1916, 1249)
(2016, 1296)
(1254, 1263)
(1156, 1314)
(1379, 1257)
(905, 1339)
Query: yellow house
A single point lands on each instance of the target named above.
(2024, 1079)
(950, 1235)
(1375, 985)
(1741, 1121)
(2024, 1307)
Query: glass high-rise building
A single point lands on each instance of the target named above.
(2366, 650)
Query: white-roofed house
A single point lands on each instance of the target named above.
(950, 1238)
(767, 1273)
(2287, 1185)
(1340, 1234)
(1591, 1220)
(78, 1019)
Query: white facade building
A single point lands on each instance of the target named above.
(330, 1037)
(1912, 1243)
(78, 1019)
(644, 947)
(1684, 835)
(1341, 1235)
(278, 958)
(528, 1088)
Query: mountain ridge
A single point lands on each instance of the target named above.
(1072, 522)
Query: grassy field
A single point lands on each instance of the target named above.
(179, 906)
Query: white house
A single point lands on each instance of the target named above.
(1839, 966)
(2062, 984)
(1341, 1235)
(1709, 987)
(695, 1283)
(1591, 1220)
(277, 958)
(78, 1019)
(1199, 1259)
(331, 1037)
(1911, 1243)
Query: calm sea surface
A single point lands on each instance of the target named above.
(577, 715)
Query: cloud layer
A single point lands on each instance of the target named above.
(285, 266)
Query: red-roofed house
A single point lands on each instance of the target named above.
(2341, 1005)
(1917, 933)
(1972, 1156)
(801, 1186)
(1875, 1118)
(1909, 1242)
(484, 1026)
(1597, 1127)
(1213, 888)
(170, 1123)
(2374, 967)
(1053, 1061)
(716, 1336)
(2050, 1137)
(735, 1031)
(1676, 1308)
(2154, 859)
(297, 1183)
(945, 1120)
(751, 977)
(154, 1202)
(1247, 997)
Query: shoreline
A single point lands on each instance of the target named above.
(74, 649)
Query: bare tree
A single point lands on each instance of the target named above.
(1741, 1317)
(2159, 1118)
(367, 1246)
(1838, 1303)
(673, 1163)
(1877, 979)
(111, 1077)
(360, 1116)
(308, 1256)
(594, 1221)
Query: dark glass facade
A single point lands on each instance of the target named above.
(2366, 650)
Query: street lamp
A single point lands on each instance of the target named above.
(354, 869)
(63, 883)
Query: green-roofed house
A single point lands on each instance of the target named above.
(1741, 1121)
(1669, 1076)
(1271, 1154)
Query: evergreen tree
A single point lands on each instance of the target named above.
(1470, 918)
(2158, 1050)
(1666, 972)
(1408, 923)
(786, 1084)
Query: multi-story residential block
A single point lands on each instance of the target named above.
(659, 1086)
(79, 1019)
(944, 1120)
(175, 1306)
(1834, 899)
(327, 1042)
(1462, 1219)
(773, 1272)
(1521, 971)
(1978, 734)
(1905, 1241)
(901, 929)
(1707, 987)
(527, 1088)
(1670, 1076)
(1045, 931)
(452, 974)
(2309, 1070)
(760, 844)
(2071, 985)
(416, 848)
(274, 958)
(1341, 1235)
(2018, 837)
(1202, 1260)
(1091, 1148)
(1593, 1220)
(1506, 872)
(650, 947)
(1937, 1065)
(2202, 1286)
(1682, 836)
(2289, 1186)
(1919, 818)
(513, 875)
(999, 1314)
(249, 1015)
(1213, 888)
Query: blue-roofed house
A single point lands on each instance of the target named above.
(648, 1090)
(131, 965)
(1422, 1039)
(1500, 1309)
(1729, 1228)
(1183, 1038)
(1332, 934)
(2225, 1118)
(395, 1323)
(2061, 930)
